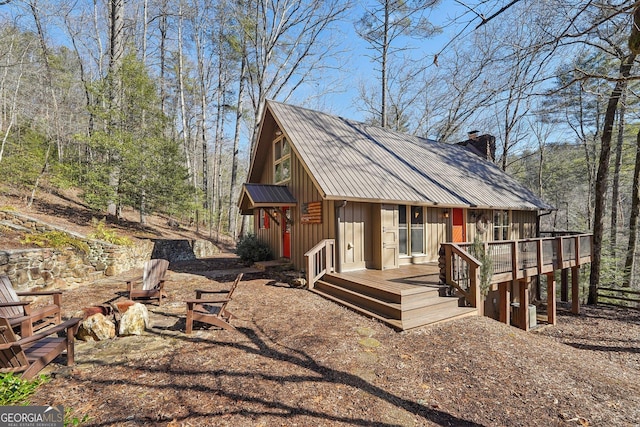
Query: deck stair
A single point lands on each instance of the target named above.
(400, 305)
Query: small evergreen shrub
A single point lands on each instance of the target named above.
(250, 249)
(55, 239)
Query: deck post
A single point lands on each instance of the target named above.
(310, 272)
(505, 302)
(474, 289)
(515, 268)
(564, 285)
(551, 298)
(575, 290)
(524, 305)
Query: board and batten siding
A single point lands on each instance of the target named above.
(523, 224)
(305, 236)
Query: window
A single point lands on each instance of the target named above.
(411, 230)
(402, 229)
(501, 225)
(417, 230)
(282, 160)
(264, 219)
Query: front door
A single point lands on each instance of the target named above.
(459, 233)
(390, 236)
(286, 233)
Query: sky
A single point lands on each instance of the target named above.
(342, 98)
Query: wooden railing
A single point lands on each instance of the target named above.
(319, 260)
(513, 260)
(619, 297)
(463, 273)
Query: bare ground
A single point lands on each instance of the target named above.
(299, 360)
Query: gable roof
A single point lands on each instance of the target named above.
(350, 160)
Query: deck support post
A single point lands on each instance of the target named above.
(505, 302)
(575, 290)
(524, 305)
(551, 298)
(564, 285)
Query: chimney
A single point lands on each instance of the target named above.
(473, 135)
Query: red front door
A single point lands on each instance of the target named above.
(286, 233)
(459, 228)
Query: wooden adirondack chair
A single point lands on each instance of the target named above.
(29, 355)
(152, 281)
(212, 311)
(22, 315)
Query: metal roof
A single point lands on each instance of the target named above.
(265, 196)
(353, 160)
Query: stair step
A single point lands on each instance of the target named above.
(369, 303)
(377, 290)
(394, 323)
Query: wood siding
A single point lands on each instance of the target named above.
(303, 235)
(436, 229)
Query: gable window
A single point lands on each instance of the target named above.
(411, 229)
(501, 225)
(282, 160)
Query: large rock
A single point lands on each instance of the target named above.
(134, 320)
(96, 327)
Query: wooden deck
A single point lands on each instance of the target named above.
(404, 298)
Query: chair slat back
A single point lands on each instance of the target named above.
(8, 294)
(11, 359)
(231, 291)
(154, 271)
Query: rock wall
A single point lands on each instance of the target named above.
(60, 267)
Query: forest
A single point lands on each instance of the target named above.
(155, 104)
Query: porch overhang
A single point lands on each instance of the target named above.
(264, 196)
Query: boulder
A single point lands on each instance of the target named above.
(96, 327)
(134, 320)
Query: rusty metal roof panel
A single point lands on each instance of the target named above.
(358, 161)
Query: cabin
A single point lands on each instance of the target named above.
(367, 213)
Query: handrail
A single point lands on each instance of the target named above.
(320, 260)
(452, 276)
(513, 260)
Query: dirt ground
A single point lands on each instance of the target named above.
(297, 359)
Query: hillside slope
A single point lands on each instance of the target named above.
(66, 210)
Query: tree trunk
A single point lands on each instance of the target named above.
(385, 55)
(602, 177)
(116, 54)
(236, 143)
(633, 220)
(615, 190)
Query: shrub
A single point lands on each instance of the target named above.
(14, 390)
(250, 249)
(55, 239)
(108, 234)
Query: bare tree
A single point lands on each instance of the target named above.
(382, 24)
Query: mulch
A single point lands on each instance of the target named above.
(297, 359)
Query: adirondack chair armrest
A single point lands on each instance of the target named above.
(57, 295)
(205, 291)
(14, 303)
(35, 293)
(131, 282)
(71, 324)
(206, 301)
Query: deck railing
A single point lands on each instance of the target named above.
(320, 259)
(512, 260)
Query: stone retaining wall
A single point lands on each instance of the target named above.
(60, 267)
